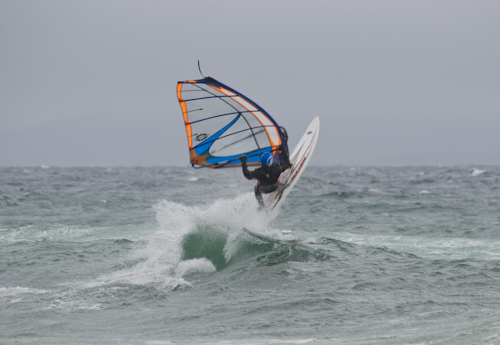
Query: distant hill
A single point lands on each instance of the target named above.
(160, 139)
(437, 158)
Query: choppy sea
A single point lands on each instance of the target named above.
(167, 255)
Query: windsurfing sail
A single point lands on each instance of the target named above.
(222, 125)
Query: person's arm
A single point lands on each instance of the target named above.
(248, 174)
(257, 174)
(286, 159)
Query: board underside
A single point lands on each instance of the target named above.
(299, 159)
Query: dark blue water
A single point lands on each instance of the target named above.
(378, 255)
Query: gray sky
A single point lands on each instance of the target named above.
(393, 82)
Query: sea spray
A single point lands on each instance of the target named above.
(192, 239)
(210, 231)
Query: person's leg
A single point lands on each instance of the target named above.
(258, 195)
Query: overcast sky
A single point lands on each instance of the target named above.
(393, 82)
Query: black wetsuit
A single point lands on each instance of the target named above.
(267, 176)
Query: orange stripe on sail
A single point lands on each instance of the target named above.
(184, 113)
(188, 125)
(179, 88)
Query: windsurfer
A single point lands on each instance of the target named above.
(267, 175)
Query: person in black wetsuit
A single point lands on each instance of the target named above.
(267, 175)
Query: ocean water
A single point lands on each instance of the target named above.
(165, 255)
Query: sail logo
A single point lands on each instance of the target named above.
(201, 137)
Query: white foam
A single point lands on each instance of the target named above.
(19, 290)
(194, 265)
(193, 179)
(67, 304)
(477, 172)
(50, 231)
(424, 192)
(77, 232)
(434, 248)
(260, 341)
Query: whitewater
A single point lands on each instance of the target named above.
(171, 255)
